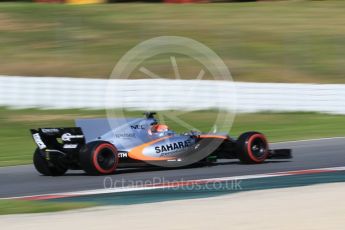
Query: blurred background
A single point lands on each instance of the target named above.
(269, 46)
(264, 41)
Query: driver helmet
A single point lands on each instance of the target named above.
(159, 128)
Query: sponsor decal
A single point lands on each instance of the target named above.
(197, 146)
(172, 147)
(124, 135)
(174, 160)
(39, 141)
(50, 130)
(68, 136)
(138, 126)
(70, 146)
(122, 154)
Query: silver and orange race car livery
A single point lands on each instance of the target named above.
(101, 145)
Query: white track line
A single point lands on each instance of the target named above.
(176, 184)
(309, 140)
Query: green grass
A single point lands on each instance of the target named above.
(288, 41)
(16, 145)
(20, 206)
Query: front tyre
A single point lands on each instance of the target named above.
(47, 168)
(99, 158)
(252, 148)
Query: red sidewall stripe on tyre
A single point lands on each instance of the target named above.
(95, 162)
(249, 149)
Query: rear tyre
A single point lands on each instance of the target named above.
(252, 148)
(47, 168)
(99, 158)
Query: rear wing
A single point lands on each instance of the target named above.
(58, 139)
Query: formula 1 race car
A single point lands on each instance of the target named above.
(100, 146)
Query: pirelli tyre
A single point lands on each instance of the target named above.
(252, 148)
(47, 168)
(99, 158)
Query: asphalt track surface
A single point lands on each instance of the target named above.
(25, 181)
